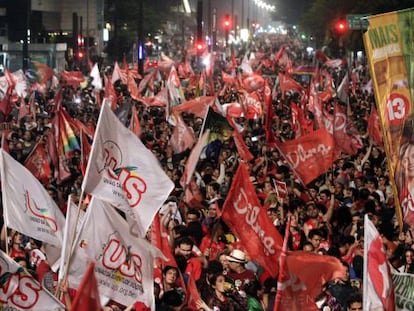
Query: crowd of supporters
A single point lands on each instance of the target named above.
(326, 216)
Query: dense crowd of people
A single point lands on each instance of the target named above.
(326, 216)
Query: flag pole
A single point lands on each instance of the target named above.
(282, 267)
(4, 193)
(365, 267)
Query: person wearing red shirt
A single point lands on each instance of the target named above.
(238, 272)
(184, 247)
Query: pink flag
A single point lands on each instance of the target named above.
(193, 159)
(182, 137)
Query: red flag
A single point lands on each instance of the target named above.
(252, 105)
(283, 273)
(72, 78)
(134, 124)
(281, 189)
(301, 286)
(229, 79)
(268, 102)
(125, 65)
(310, 155)
(133, 88)
(244, 152)
(289, 84)
(378, 287)
(160, 99)
(295, 110)
(182, 137)
(253, 83)
(192, 290)
(159, 238)
(87, 295)
(23, 110)
(38, 164)
(345, 140)
(248, 220)
(6, 104)
(197, 106)
(280, 53)
(374, 129)
(110, 93)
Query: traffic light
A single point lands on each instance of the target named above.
(199, 46)
(80, 55)
(227, 22)
(340, 27)
(227, 27)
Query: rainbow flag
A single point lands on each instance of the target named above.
(67, 136)
(41, 72)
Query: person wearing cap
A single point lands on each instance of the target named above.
(238, 271)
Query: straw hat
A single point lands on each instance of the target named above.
(237, 255)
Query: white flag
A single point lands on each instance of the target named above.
(122, 171)
(19, 290)
(96, 77)
(378, 288)
(27, 206)
(73, 223)
(123, 263)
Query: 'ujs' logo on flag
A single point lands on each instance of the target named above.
(125, 265)
(124, 177)
(39, 212)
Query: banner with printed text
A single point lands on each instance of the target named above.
(244, 215)
(403, 291)
(123, 263)
(389, 45)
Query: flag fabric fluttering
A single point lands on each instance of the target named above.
(28, 208)
(378, 291)
(38, 164)
(121, 170)
(43, 72)
(182, 137)
(218, 126)
(245, 216)
(124, 264)
(20, 291)
(319, 148)
(87, 295)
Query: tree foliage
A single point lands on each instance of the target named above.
(321, 15)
